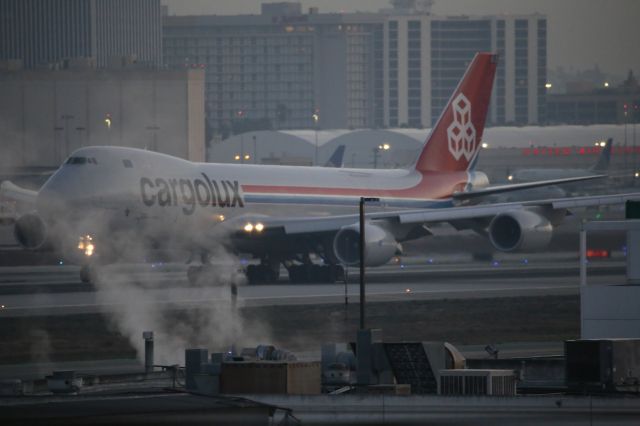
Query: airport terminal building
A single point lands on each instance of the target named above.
(45, 115)
(289, 69)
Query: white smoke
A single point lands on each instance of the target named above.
(180, 315)
(139, 297)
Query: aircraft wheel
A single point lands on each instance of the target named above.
(272, 273)
(298, 274)
(331, 274)
(88, 274)
(253, 274)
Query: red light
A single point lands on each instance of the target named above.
(598, 254)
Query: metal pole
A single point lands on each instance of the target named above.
(362, 258)
(242, 148)
(148, 351)
(345, 274)
(255, 155)
(634, 111)
(626, 154)
(583, 257)
(316, 158)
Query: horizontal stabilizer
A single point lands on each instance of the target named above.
(498, 189)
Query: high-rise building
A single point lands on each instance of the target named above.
(38, 32)
(396, 68)
(427, 55)
(282, 68)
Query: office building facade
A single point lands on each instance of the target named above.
(283, 69)
(46, 115)
(287, 69)
(39, 33)
(426, 56)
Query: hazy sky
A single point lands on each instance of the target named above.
(581, 33)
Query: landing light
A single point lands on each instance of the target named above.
(250, 227)
(407, 290)
(637, 175)
(485, 145)
(510, 177)
(86, 245)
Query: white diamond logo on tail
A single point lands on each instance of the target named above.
(461, 133)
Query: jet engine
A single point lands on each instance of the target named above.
(477, 180)
(520, 230)
(30, 231)
(380, 246)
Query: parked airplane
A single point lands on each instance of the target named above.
(106, 202)
(534, 174)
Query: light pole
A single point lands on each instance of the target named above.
(242, 148)
(66, 118)
(107, 123)
(255, 155)
(635, 154)
(316, 117)
(363, 200)
(376, 152)
(154, 137)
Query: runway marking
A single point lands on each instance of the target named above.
(266, 298)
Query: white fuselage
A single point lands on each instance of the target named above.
(114, 189)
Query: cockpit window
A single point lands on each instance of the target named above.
(127, 163)
(82, 160)
(77, 160)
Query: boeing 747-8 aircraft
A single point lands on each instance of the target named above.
(105, 200)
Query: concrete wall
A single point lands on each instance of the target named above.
(46, 115)
(609, 312)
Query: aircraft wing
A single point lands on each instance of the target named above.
(482, 192)
(14, 200)
(298, 225)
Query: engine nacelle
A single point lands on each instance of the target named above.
(30, 231)
(477, 180)
(380, 246)
(520, 230)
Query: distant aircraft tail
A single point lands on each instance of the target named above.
(605, 158)
(455, 140)
(337, 158)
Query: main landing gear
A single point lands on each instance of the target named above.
(88, 273)
(312, 273)
(267, 272)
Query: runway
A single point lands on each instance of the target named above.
(56, 290)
